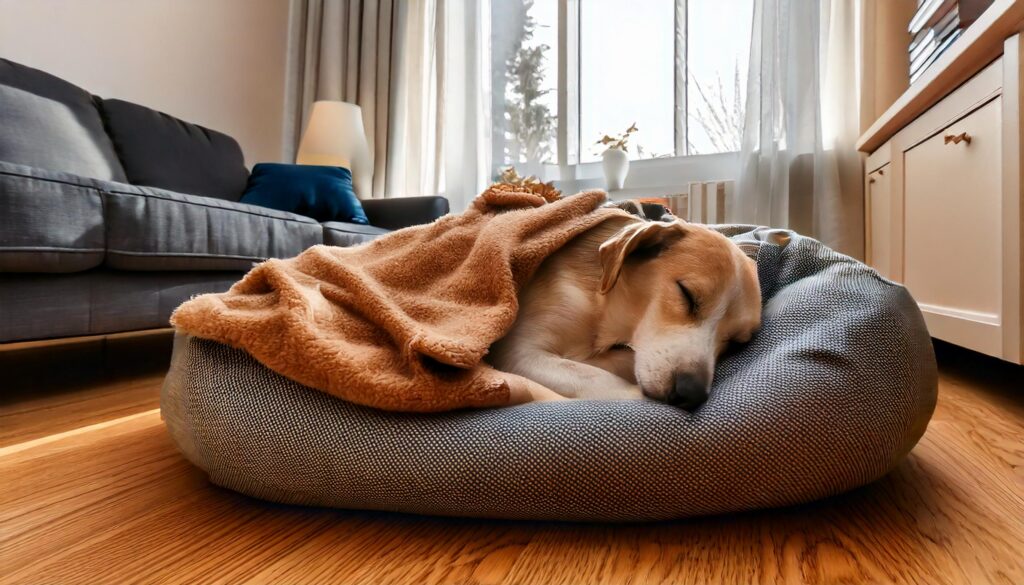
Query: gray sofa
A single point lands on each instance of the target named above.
(112, 214)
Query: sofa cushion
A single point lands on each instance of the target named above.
(155, 229)
(51, 124)
(49, 221)
(159, 150)
(321, 192)
(339, 233)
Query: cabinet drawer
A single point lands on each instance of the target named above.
(953, 251)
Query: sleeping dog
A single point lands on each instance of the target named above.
(630, 309)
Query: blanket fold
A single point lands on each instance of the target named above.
(401, 323)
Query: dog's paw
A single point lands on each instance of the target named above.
(634, 392)
(623, 391)
(522, 390)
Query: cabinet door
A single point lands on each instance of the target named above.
(878, 221)
(952, 237)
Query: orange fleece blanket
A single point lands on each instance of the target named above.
(401, 323)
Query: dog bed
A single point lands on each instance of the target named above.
(831, 394)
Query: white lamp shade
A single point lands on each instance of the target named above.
(334, 136)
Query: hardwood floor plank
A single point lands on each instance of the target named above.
(39, 417)
(58, 495)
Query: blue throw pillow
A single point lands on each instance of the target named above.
(323, 193)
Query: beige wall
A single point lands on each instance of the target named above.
(218, 63)
(884, 55)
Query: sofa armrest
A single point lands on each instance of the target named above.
(400, 212)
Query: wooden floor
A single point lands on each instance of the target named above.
(94, 492)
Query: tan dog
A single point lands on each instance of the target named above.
(632, 308)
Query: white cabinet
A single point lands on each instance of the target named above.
(943, 210)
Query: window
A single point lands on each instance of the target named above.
(677, 68)
(718, 48)
(627, 64)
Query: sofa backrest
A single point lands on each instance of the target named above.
(48, 123)
(159, 150)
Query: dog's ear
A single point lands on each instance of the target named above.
(635, 239)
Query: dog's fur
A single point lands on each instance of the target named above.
(632, 308)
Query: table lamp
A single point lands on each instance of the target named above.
(334, 137)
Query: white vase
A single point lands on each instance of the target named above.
(615, 163)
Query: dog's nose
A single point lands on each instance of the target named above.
(688, 392)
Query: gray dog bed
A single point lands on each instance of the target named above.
(832, 393)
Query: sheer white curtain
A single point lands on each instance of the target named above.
(441, 121)
(467, 129)
(798, 164)
(418, 70)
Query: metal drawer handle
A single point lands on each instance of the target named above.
(957, 139)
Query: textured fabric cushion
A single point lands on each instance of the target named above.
(42, 306)
(323, 193)
(48, 123)
(339, 233)
(158, 150)
(49, 221)
(154, 229)
(831, 394)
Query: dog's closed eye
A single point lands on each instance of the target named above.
(692, 306)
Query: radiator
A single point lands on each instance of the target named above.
(704, 202)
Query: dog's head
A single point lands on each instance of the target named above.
(690, 291)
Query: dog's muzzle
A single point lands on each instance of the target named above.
(688, 392)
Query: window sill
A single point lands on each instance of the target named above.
(649, 177)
